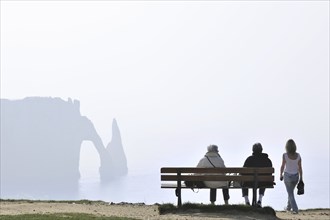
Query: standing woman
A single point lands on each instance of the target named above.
(291, 165)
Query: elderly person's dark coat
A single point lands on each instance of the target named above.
(257, 160)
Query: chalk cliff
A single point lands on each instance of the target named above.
(41, 140)
(116, 151)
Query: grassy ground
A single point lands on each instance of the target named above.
(83, 201)
(86, 209)
(59, 216)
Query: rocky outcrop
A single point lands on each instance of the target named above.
(116, 151)
(41, 140)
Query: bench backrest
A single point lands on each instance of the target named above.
(259, 174)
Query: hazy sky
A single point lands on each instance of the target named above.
(179, 75)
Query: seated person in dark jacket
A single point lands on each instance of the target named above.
(258, 159)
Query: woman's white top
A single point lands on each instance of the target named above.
(291, 166)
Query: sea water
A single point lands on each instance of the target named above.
(141, 186)
(144, 187)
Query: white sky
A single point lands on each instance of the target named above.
(179, 75)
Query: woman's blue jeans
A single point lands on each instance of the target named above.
(290, 181)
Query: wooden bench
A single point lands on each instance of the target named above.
(173, 177)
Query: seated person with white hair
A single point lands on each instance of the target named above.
(213, 159)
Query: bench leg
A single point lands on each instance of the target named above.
(178, 194)
(213, 195)
(254, 198)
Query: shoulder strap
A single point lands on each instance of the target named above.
(210, 161)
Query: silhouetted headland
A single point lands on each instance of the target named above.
(40, 145)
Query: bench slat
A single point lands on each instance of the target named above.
(174, 186)
(260, 170)
(249, 178)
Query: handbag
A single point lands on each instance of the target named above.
(301, 188)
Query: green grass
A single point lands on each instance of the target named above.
(84, 201)
(191, 207)
(60, 216)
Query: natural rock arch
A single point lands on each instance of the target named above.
(41, 140)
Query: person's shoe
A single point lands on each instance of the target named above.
(287, 209)
(294, 212)
(226, 202)
(259, 204)
(247, 203)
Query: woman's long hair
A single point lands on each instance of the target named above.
(291, 147)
